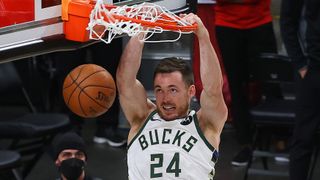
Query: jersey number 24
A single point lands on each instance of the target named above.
(157, 162)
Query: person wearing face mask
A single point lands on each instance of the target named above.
(71, 157)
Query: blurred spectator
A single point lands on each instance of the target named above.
(307, 63)
(244, 30)
(71, 156)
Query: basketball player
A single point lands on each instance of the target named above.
(167, 140)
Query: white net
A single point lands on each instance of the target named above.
(107, 23)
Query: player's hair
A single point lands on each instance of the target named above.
(172, 64)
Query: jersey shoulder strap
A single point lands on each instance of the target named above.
(142, 127)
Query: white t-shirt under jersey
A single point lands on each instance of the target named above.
(171, 150)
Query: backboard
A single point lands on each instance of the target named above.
(35, 27)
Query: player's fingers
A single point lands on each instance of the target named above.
(182, 15)
(190, 18)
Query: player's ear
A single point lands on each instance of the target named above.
(192, 90)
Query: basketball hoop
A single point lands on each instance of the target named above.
(105, 22)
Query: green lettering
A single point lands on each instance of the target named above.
(143, 142)
(158, 159)
(174, 166)
(177, 138)
(190, 143)
(164, 140)
(152, 141)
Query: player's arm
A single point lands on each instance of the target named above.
(133, 97)
(213, 112)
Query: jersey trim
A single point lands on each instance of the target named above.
(215, 154)
(142, 127)
(196, 122)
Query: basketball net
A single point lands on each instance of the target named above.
(107, 21)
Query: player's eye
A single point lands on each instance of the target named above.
(173, 90)
(158, 90)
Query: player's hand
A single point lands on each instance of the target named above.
(194, 19)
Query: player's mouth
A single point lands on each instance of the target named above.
(168, 107)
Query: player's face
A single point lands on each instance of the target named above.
(172, 95)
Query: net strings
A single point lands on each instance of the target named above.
(102, 23)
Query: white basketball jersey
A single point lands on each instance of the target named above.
(171, 150)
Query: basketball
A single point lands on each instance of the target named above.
(89, 90)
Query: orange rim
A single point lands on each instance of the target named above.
(173, 26)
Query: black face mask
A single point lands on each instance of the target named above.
(72, 168)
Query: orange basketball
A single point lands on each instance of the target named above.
(89, 90)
